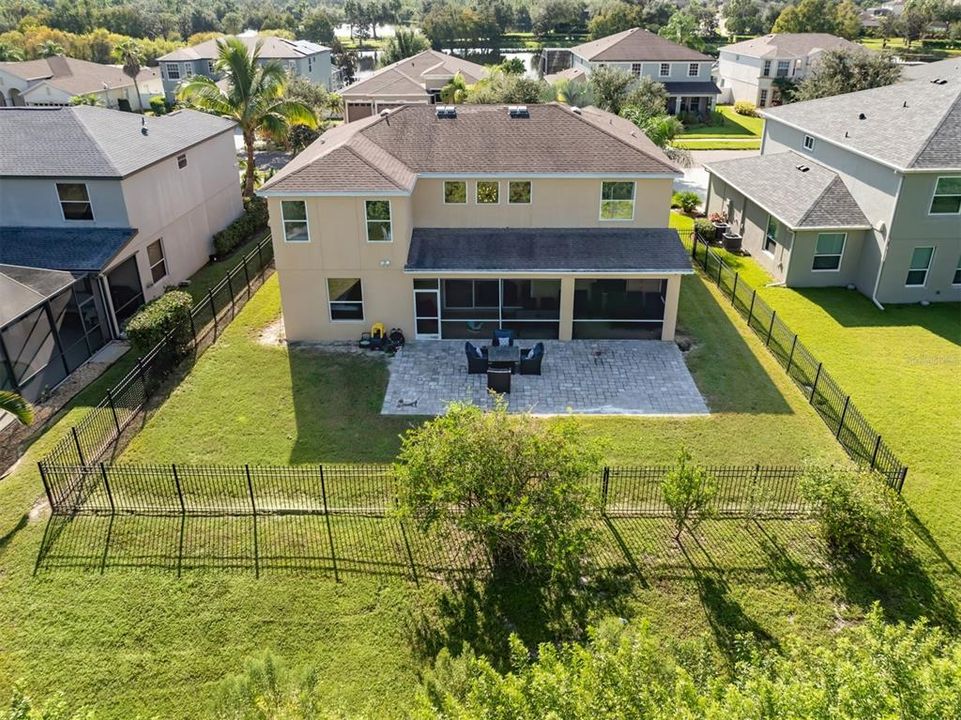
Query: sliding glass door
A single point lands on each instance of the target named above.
(472, 308)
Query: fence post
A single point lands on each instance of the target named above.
(874, 455)
(230, 289)
(180, 491)
(193, 330)
(46, 487)
(143, 377)
(694, 246)
(814, 387)
(750, 312)
(106, 486)
(246, 276)
(253, 507)
(720, 267)
(790, 358)
(76, 442)
(770, 329)
(847, 401)
(734, 288)
(904, 475)
(260, 261)
(113, 409)
(604, 489)
(213, 309)
(330, 534)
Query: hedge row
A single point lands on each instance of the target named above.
(243, 228)
(168, 314)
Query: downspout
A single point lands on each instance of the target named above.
(884, 250)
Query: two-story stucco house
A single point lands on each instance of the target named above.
(127, 205)
(862, 190)
(685, 73)
(306, 59)
(749, 70)
(450, 221)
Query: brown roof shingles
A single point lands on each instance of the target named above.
(407, 76)
(636, 45)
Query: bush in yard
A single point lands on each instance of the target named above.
(689, 492)
(705, 229)
(516, 488)
(23, 707)
(168, 314)
(857, 514)
(743, 107)
(269, 689)
(158, 105)
(687, 200)
(243, 228)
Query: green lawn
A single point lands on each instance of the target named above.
(735, 127)
(898, 44)
(717, 144)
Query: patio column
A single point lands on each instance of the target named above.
(670, 307)
(567, 308)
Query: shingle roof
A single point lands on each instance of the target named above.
(79, 249)
(85, 141)
(273, 48)
(482, 139)
(23, 288)
(656, 250)
(571, 74)
(790, 45)
(636, 45)
(946, 69)
(408, 76)
(905, 125)
(815, 198)
(77, 77)
(705, 87)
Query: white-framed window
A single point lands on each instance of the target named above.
(519, 192)
(455, 192)
(487, 192)
(617, 200)
(808, 142)
(211, 67)
(770, 236)
(74, 201)
(828, 251)
(762, 101)
(664, 69)
(783, 68)
(182, 160)
(188, 69)
(156, 260)
(345, 298)
(173, 71)
(767, 69)
(377, 215)
(947, 196)
(920, 264)
(957, 274)
(636, 69)
(693, 69)
(294, 216)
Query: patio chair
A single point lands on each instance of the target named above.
(503, 337)
(499, 380)
(531, 360)
(476, 359)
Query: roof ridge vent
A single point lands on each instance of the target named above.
(802, 168)
(446, 111)
(518, 111)
(576, 110)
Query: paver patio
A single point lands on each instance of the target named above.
(602, 377)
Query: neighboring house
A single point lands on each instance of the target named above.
(949, 69)
(126, 204)
(306, 59)
(684, 72)
(417, 79)
(56, 80)
(750, 70)
(862, 189)
(450, 221)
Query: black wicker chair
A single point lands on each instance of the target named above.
(499, 380)
(476, 359)
(531, 360)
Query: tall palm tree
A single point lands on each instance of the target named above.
(455, 91)
(254, 98)
(15, 405)
(130, 55)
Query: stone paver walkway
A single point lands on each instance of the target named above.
(604, 377)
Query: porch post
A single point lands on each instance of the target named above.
(567, 307)
(670, 307)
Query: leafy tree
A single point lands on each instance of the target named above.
(8, 53)
(888, 27)
(842, 71)
(614, 18)
(808, 16)
(609, 86)
(847, 20)
(12, 403)
(91, 99)
(647, 98)
(405, 43)
(914, 22)
(549, 16)
(683, 29)
(50, 49)
(254, 98)
(232, 23)
(71, 16)
(269, 689)
(743, 17)
(512, 66)
(575, 93)
(130, 56)
(705, 12)
(689, 492)
(516, 488)
(317, 25)
(502, 88)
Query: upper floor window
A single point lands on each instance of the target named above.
(617, 200)
(182, 161)
(957, 274)
(74, 201)
(519, 192)
(770, 235)
(664, 70)
(455, 192)
(693, 69)
(488, 192)
(636, 69)
(920, 264)
(762, 100)
(378, 220)
(808, 142)
(173, 71)
(767, 69)
(310, 64)
(828, 251)
(188, 69)
(947, 196)
(211, 67)
(157, 261)
(783, 67)
(294, 215)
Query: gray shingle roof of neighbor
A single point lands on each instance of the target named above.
(911, 125)
(481, 140)
(23, 288)
(637, 45)
(705, 87)
(945, 69)
(273, 48)
(790, 44)
(408, 76)
(813, 198)
(654, 250)
(78, 77)
(85, 141)
(74, 249)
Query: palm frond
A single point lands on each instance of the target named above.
(15, 405)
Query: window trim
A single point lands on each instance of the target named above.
(926, 270)
(284, 221)
(766, 69)
(762, 98)
(530, 194)
(444, 193)
(600, 209)
(660, 69)
(211, 67)
(767, 236)
(840, 255)
(390, 221)
(363, 308)
(934, 194)
(808, 143)
(181, 161)
(496, 183)
(696, 67)
(163, 260)
(787, 70)
(639, 71)
(174, 66)
(86, 189)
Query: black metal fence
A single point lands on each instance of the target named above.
(861, 442)
(103, 426)
(369, 490)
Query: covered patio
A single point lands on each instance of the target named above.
(592, 377)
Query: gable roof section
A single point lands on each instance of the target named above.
(942, 69)
(76, 249)
(817, 198)
(907, 126)
(76, 77)
(790, 45)
(85, 141)
(408, 76)
(481, 140)
(273, 48)
(636, 45)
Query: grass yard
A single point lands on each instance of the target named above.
(735, 127)
(717, 144)
(899, 45)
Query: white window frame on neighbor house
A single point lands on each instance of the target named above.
(637, 69)
(530, 192)
(173, 67)
(808, 143)
(389, 221)
(935, 195)
(839, 255)
(188, 70)
(495, 183)
(331, 303)
(762, 100)
(786, 66)
(87, 202)
(632, 201)
(462, 183)
(664, 70)
(161, 262)
(766, 70)
(926, 269)
(768, 237)
(305, 221)
(696, 67)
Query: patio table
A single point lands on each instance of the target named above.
(501, 355)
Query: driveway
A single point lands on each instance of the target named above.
(695, 177)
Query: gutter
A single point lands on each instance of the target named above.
(884, 251)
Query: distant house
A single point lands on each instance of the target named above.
(417, 79)
(100, 211)
(860, 189)
(306, 59)
(750, 70)
(56, 80)
(685, 73)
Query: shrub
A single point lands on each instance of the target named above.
(158, 105)
(168, 314)
(243, 228)
(857, 514)
(743, 107)
(705, 229)
(686, 200)
(689, 492)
